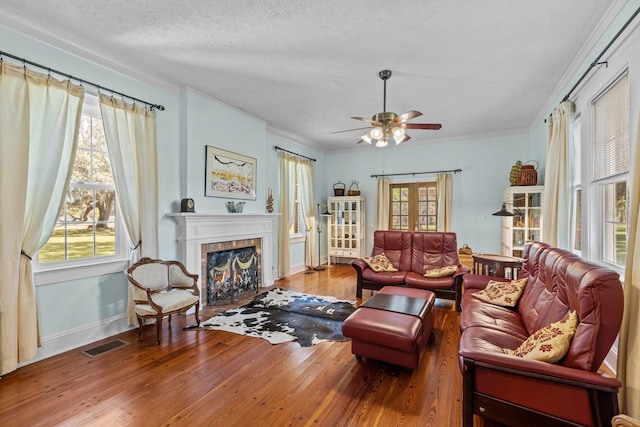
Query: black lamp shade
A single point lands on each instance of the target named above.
(503, 212)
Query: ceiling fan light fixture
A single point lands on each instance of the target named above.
(381, 143)
(398, 135)
(366, 138)
(376, 133)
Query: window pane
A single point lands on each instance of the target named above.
(97, 132)
(82, 166)
(615, 224)
(84, 134)
(577, 238)
(101, 168)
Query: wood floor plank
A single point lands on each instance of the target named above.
(207, 378)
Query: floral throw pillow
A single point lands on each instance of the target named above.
(551, 343)
(505, 294)
(449, 270)
(379, 263)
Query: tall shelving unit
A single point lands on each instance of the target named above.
(526, 225)
(346, 227)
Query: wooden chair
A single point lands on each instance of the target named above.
(160, 289)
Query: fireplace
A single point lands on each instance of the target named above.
(231, 270)
(223, 231)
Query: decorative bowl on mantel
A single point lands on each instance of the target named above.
(235, 207)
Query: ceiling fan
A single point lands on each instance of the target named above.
(387, 124)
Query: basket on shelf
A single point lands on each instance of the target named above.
(338, 188)
(465, 250)
(528, 174)
(353, 192)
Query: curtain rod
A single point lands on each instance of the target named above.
(415, 173)
(295, 154)
(596, 61)
(82, 81)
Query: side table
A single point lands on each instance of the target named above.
(497, 265)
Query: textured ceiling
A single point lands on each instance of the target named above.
(305, 67)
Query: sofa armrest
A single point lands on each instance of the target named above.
(548, 371)
(359, 265)
(515, 391)
(478, 281)
(462, 270)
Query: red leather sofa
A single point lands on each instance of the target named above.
(412, 253)
(517, 392)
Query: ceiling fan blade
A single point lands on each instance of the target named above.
(364, 120)
(427, 126)
(405, 139)
(411, 114)
(350, 130)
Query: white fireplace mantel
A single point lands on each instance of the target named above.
(196, 229)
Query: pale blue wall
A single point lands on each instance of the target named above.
(477, 190)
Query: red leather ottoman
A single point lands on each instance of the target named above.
(393, 326)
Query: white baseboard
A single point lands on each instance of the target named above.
(297, 268)
(73, 338)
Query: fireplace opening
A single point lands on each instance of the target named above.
(232, 271)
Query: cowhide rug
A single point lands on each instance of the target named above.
(281, 316)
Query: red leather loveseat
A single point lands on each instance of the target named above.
(412, 253)
(520, 392)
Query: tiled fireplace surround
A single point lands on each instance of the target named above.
(198, 229)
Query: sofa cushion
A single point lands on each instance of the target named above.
(433, 249)
(379, 263)
(477, 313)
(448, 270)
(487, 340)
(551, 343)
(416, 280)
(505, 294)
(395, 245)
(384, 277)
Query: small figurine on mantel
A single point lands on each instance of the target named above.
(269, 201)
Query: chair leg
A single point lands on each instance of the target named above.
(140, 327)
(197, 313)
(159, 327)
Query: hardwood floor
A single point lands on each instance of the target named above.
(211, 378)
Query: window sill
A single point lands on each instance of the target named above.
(67, 273)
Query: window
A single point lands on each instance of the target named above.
(88, 228)
(296, 224)
(610, 157)
(577, 186)
(414, 206)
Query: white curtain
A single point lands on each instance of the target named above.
(305, 171)
(287, 191)
(382, 212)
(39, 120)
(556, 206)
(629, 343)
(445, 197)
(131, 135)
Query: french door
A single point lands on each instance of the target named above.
(414, 206)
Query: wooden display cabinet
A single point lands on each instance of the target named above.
(346, 228)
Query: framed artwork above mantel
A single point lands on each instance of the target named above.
(229, 175)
